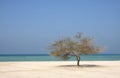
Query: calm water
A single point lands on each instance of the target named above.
(44, 57)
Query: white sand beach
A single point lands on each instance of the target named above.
(60, 69)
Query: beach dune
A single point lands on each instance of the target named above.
(60, 69)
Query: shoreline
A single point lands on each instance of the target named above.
(60, 69)
(66, 61)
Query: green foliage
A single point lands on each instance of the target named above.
(74, 47)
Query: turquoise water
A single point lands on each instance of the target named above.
(44, 57)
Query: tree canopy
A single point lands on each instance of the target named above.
(75, 46)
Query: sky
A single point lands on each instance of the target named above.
(30, 26)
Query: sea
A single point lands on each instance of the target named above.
(47, 57)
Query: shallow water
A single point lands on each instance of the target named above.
(45, 57)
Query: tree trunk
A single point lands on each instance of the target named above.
(78, 60)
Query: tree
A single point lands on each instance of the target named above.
(75, 46)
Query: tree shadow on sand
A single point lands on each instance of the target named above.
(83, 65)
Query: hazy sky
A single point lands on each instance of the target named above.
(29, 26)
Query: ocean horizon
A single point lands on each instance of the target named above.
(47, 57)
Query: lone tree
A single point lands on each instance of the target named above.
(75, 46)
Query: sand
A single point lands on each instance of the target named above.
(60, 69)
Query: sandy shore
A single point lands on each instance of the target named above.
(64, 69)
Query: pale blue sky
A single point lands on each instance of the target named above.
(29, 26)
